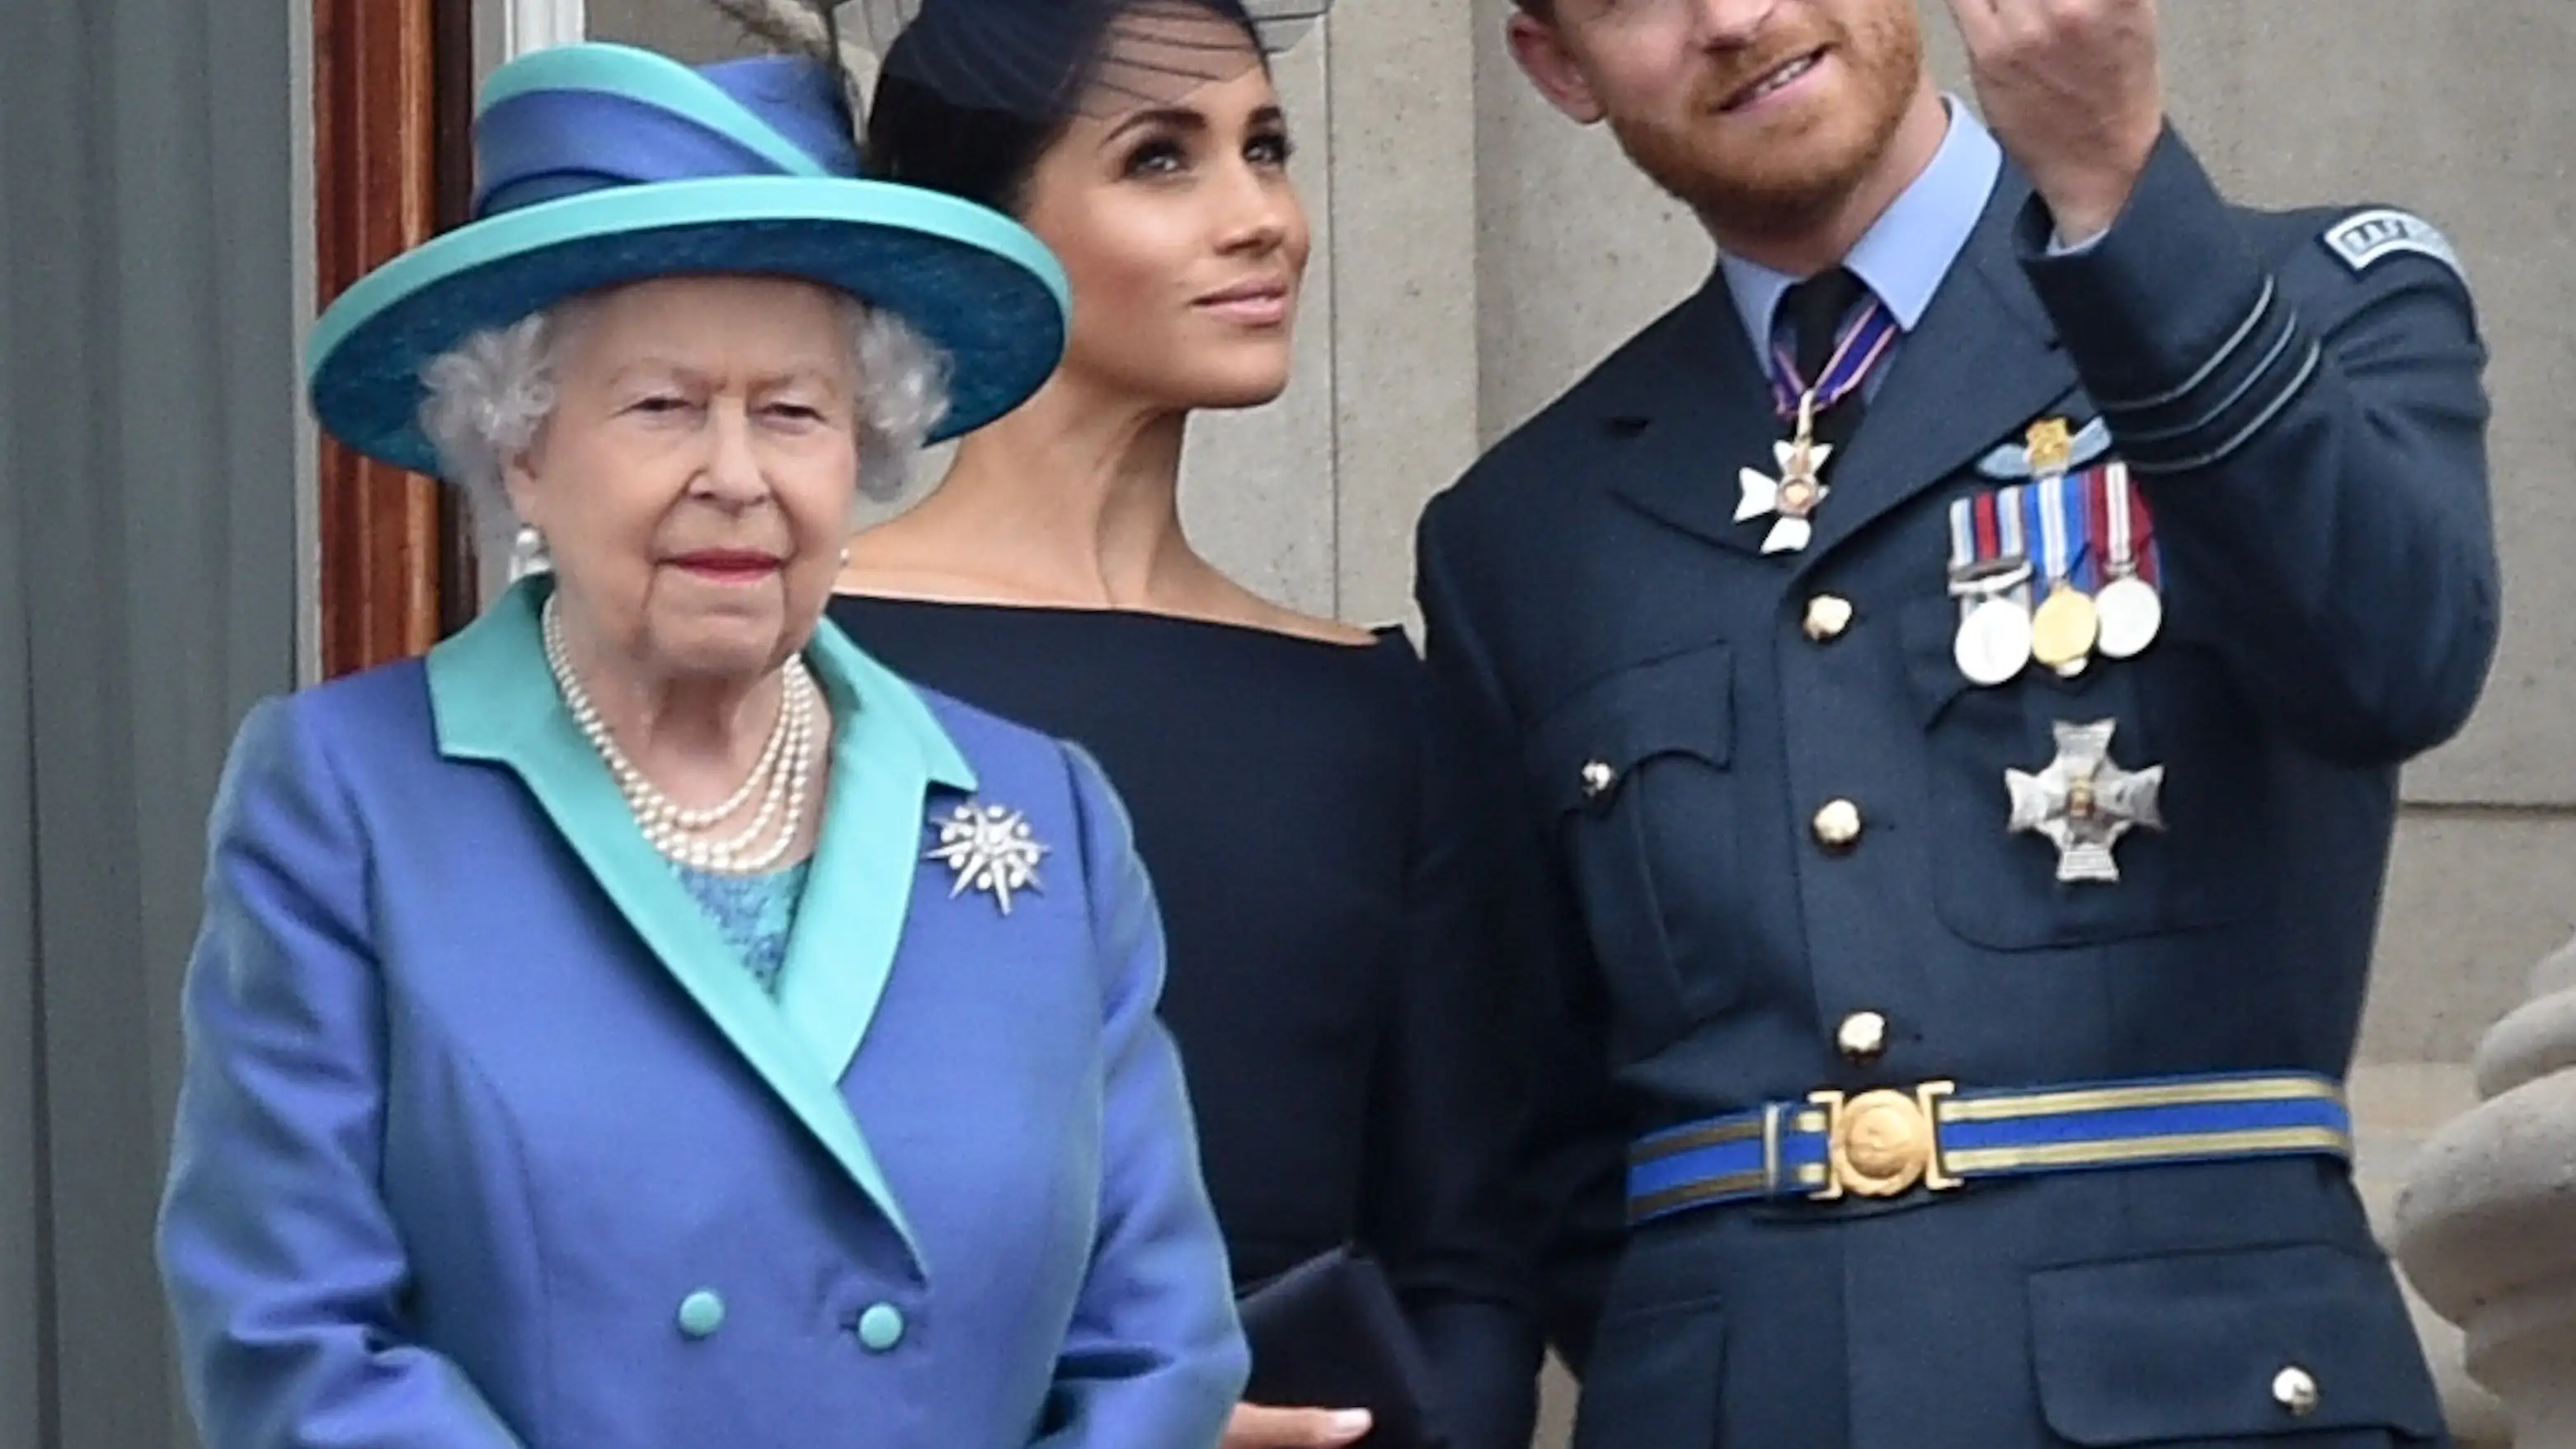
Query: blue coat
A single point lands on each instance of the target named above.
(488, 1139)
(2300, 401)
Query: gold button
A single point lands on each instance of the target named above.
(1837, 826)
(1862, 1036)
(1598, 777)
(2295, 1389)
(1828, 615)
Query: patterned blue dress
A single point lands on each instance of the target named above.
(757, 913)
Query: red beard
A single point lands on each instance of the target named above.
(1795, 173)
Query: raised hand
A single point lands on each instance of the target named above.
(2073, 91)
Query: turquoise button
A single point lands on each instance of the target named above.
(701, 1313)
(881, 1327)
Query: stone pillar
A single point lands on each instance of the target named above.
(2486, 1225)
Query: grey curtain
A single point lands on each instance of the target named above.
(148, 557)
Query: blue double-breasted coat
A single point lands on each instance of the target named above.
(487, 1138)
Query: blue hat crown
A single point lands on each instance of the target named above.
(579, 119)
(602, 165)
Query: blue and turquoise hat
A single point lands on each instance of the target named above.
(600, 165)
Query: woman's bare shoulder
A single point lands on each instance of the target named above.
(1260, 613)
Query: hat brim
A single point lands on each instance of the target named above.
(970, 280)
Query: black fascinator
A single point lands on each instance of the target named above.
(1040, 61)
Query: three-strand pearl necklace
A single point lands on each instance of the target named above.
(779, 778)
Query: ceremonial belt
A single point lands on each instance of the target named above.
(1887, 1142)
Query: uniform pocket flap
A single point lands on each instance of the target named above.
(1656, 1376)
(2290, 1340)
(1681, 704)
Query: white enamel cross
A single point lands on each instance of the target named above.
(1793, 495)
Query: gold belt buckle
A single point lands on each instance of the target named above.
(1882, 1143)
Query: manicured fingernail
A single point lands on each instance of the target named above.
(1352, 1421)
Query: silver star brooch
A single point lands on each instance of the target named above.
(988, 848)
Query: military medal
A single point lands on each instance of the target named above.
(1990, 577)
(2131, 609)
(1791, 499)
(2132, 614)
(2082, 803)
(1993, 643)
(2063, 628)
(2074, 535)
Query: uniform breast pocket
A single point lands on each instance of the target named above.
(1635, 770)
(2196, 866)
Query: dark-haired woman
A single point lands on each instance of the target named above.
(1340, 1023)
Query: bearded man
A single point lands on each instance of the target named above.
(1959, 663)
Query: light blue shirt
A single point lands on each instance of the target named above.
(1906, 252)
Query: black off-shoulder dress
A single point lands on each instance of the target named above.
(1341, 1019)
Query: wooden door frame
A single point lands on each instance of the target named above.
(392, 97)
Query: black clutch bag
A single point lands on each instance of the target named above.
(1329, 1334)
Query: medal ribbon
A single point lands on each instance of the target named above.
(2012, 543)
(1864, 344)
(1966, 542)
(2108, 526)
(2059, 521)
(2129, 533)
(1966, 552)
(1986, 540)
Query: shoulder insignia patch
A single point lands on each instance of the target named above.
(2366, 238)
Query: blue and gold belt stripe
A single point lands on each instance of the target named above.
(1889, 1141)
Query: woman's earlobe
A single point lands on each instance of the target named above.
(518, 485)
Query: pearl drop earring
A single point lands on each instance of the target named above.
(528, 552)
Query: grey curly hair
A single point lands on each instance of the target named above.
(488, 397)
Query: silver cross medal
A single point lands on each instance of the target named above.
(2083, 803)
(989, 849)
(1796, 492)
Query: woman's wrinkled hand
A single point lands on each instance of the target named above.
(1255, 1427)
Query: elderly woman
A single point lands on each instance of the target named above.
(647, 1022)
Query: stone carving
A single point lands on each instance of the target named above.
(2486, 1223)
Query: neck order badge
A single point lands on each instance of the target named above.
(1799, 489)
